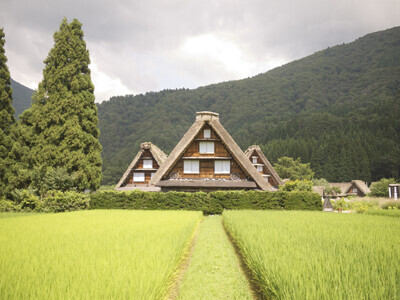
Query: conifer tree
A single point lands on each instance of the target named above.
(61, 126)
(7, 119)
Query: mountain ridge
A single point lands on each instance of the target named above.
(21, 97)
(336, 87)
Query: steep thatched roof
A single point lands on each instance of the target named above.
(157, 153)
(362, 186)
(343, 186)
(212, 119)
(346, 186)
(265, 161)
(319, 189)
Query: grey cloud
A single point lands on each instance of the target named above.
(138, 41)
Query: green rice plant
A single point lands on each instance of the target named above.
(385, 212)
(93, 254)
(317, 255)
(391, 204)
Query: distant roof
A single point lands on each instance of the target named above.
(212, 119)
(345, 186)
(319, 189)
(157, 153)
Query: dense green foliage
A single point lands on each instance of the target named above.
(60, 128)
(391, 205)
(287, 167)
(208, 203)
(52, 201)
(336, 109)
(297, 185)
(93, 254)
(381, 187)
(7, 121)
(21, 97)
(317, 255)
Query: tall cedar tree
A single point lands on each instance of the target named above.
(61, 126)
(7, 119)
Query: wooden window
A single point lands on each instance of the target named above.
(147, 164)
(152, 174)
(222, 167)
(259, 168)
(191, 166)
(354, 190)
(254, 159)
(207, 133)
(138, 177)
(206, 147)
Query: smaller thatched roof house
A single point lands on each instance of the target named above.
(354, 188)
(261, 163)
(145, 164)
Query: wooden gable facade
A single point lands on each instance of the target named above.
(263, 166)
(143, 167)
(211, 155)
(206, 159)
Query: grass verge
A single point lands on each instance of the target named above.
(214, 271)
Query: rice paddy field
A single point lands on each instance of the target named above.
(92, 254)
(316, 255)
(114, 254)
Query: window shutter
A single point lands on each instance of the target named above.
(222, 167)
(147, 164)
(191, 166)
(138, 177)
(206, 147)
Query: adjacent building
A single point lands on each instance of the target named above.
(143, 167)
(263, 166)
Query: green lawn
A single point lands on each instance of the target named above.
(214, 271)
(93, 254)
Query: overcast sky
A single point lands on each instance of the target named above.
(137, 46)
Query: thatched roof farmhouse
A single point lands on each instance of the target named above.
(207, 158)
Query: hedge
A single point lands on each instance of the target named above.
(53, 201)
(209, 203)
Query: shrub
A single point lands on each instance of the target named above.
(8, 206)
(209, 203)
(297, 185)
(52, 201)
(381, 188)
(391, 205)
(57, 201)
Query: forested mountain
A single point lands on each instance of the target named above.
(338, 109)
(21, 97)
